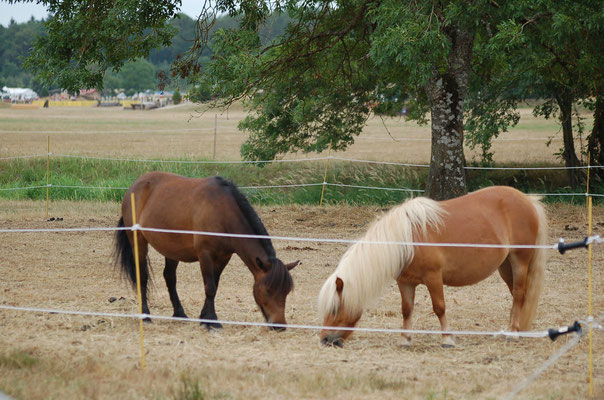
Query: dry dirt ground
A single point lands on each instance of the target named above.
(74, 357)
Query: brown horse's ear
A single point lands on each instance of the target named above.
(339, 285)
(291, 266)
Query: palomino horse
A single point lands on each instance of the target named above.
(168, 201)
(497, 215)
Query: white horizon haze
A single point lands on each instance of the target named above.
(22, 12)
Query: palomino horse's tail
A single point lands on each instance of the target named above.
(124, 255)
(534, 281)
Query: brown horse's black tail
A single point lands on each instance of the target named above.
(124, 256)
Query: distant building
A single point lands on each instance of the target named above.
(18, 95)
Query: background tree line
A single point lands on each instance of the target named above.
(141, 74)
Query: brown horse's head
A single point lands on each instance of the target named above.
(271, 288)
(336, 313)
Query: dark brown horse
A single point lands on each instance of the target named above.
(169, 201)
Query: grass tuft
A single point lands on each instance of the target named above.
(18, 360)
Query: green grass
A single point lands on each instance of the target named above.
(103, 174)
(18, 360)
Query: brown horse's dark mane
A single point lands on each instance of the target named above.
(278, 278)
(250, 215)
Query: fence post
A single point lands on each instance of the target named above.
(215, 129)
(325, 175)
(138, 281)
(589, 297)
(47, 174)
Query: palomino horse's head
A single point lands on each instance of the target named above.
(335, 312)
(271, 288)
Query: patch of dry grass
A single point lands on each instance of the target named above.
(188, 132)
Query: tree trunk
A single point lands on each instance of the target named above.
(595, 143)
(565, 102)
(446, 93)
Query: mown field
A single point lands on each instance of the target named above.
(73, 357)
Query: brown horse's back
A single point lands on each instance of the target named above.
(169, 201)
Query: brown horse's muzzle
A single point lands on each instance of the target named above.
(278, 328)
(279, 321)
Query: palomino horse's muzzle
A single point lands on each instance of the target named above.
(333, 341)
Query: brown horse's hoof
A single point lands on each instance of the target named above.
(211, 327)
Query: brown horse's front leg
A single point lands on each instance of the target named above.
(434, 283)
(170, 278)
(211, 269)
(408, 299)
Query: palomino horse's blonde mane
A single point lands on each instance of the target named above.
(367, 268)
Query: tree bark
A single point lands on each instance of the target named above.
(565, 103)
(595, 142)
(446, 93)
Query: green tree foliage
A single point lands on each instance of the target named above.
(15, 43)
(85, 38)
(551, 50)
(176, 97)
(138, 75)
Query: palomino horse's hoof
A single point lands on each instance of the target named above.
(448, 343)
(512, 337)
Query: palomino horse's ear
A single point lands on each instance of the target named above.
(291, 266)
(339, 285)
(261, 265)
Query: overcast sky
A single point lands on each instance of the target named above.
(22, 12)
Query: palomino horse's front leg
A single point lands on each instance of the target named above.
(408, 299)
(434, 282)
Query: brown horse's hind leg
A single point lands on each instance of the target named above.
(434, 282)
(211, 269)
(170, 278)
(144, 273)
(408, 299)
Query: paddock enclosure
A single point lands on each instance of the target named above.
(45, 355)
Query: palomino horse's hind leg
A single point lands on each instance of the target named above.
(434, 282)
(408, 299)
(211, 269)
(170, 278)
(519, 261)
(505, 271)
